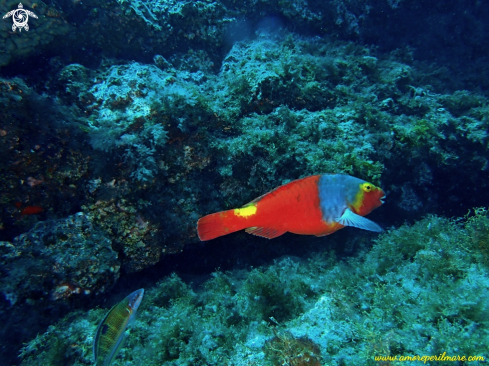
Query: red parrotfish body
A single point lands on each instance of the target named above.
(316, 205)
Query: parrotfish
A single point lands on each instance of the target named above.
(111, 331)
(315, 205)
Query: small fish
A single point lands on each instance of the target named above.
(111, 331)
(316, 205)
(31, 210)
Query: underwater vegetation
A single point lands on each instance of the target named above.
(285, 349)
(421, 289)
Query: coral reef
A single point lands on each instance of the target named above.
(396, 299)
(43, 164)
(132, 235)
(124, 115)
(285, 349)
(58, 260)
(84, 31)
(282, 106)
(206, 20)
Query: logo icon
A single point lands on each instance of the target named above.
(20, 17)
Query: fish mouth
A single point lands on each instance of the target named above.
(382, 199)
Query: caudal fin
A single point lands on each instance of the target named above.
(218, 224)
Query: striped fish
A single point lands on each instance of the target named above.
(111, 331)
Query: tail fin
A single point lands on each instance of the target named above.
(218, 224)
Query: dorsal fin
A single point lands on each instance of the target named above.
(264, 232)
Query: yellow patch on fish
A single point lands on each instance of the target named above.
(246, 211)
(359, 197)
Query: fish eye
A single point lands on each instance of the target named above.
(367, 187)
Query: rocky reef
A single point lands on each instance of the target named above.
(58, 260)
(397, 299)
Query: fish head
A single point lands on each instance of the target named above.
(134, 299)
(367, 199)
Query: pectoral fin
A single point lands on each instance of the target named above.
(264, 232)
(349, 218)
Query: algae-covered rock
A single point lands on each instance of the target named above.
(421, 290)
(65, 259)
